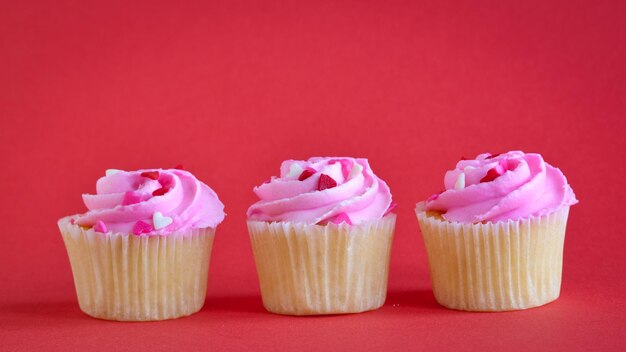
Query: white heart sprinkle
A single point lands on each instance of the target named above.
(294, 170)
(468, 168)
(159, 221)
(110, 172)
(356, 170)
(460, 181)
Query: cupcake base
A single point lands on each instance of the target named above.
(329, 269)
(495, 266)
(138, 278)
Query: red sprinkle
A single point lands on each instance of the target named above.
(493, 156)
(154, 175)
(464, 158)
(131, 197)
(179, 167)
(326, 182)
(159, 192)
(308, 172)
(142, 227)
(492, 174)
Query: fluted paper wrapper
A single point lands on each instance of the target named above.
(330, 269)
(138, 278)
(507, 265)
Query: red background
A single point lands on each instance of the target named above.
(231, 88)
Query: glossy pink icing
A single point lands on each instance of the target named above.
(124, 202)
(359, 194)
(519, 186)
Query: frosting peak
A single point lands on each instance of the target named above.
(151, 202)
(321, 190)
(499, 187)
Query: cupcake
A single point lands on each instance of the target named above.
(494, 237)
(141, 252)
(321, 235)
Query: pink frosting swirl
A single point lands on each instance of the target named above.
(508, 186)
(151, 202)
(321, 190)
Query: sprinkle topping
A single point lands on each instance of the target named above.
(492, 174)
(100, 227)
(124, 199)
(153, 175)
(509, 186)
(460, 181)
(391, 208)
(294, 170)
(159, 192)
(356, 170)
(326, 182)
(308, 172)
(342, 217)
(356, 191)
(131, 197)
(160, 221)
(110, 172)
(142, 227)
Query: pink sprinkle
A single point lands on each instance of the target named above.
(344, 165)
(166, 181)
(342, 217)
(142, 227)
(391, 208)
(100, 227)
(504, 165)
(435, 196)
(131, 197)
(72, 221)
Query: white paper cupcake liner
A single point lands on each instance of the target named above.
(331, 269)
(138, 278)
(499, 266)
